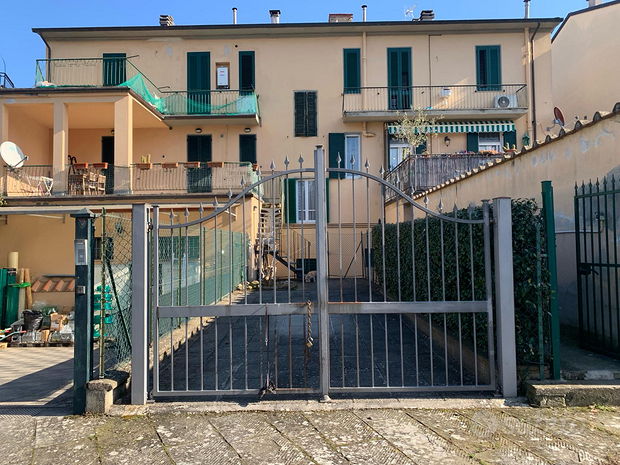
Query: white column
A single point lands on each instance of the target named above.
(123, 144)
(4, 131)
(60, 147)
(505, 297)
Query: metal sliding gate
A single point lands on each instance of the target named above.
(596, 232)
(410, 309)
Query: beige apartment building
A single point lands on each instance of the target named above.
(177, 114)
(586, 61)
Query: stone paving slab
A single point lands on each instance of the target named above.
(394, 436)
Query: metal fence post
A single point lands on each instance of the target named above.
(84, 303)
(504, 297)
(139, 304)
(320, 174)
(547, 200)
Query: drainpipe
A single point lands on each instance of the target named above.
(534, 123)
(234, 11)
(365, 132)
(528, 76)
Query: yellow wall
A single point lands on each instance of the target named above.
(31, 136)
(586, 63)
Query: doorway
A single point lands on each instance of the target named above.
(107, 156)
(399, 78)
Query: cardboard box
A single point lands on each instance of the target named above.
(56, 321)
(45, 335)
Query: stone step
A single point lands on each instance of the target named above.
(574, 393)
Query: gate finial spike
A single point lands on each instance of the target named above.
(215, 204)
(426, 200)
(440, 205)
(286, 162)
(367, 165)
(229, 193)
(171, 215)
(455, 209)
(258, 172)
(352, 160)
(613, 182)
(201, 208)
(242, 182)
(338, 159)
(301, 160)
(272, 166)
(381, 170)
(186, 214)
(396, 179)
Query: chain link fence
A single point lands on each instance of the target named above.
(112, 311)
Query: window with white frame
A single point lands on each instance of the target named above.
(398, 152)
(352, 149)
(306, 201)
(490, 141)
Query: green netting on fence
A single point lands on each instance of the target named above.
(113, 293)
(181, 282)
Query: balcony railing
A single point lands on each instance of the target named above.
(28, 181)
(422, 173)
(434, 98)
(5, 81)
(190, 178)
(121, 72)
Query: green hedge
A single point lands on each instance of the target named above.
(525, 215)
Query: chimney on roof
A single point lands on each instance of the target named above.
(592, 3)
(275, 16)
(427, 15)
(527, 8)
(364, 12)
(166, 20)
(341, 17)
(234, 10)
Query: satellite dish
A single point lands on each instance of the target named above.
(559, 116)
(12, 155)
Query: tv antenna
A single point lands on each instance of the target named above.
(409, 12)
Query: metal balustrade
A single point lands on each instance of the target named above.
(27, 181)
(434, 98)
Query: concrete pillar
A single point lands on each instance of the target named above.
(60, 147)
(4, 132)
(123, 144)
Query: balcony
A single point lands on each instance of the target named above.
(385, 103)
(102, 179)
(5, 81)
(180, 107)
(423, 173)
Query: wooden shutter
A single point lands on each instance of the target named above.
(472, 142)
(336, 146)
(247, 148)
(246, 70)
(300, 114)
(352, 73)
(510, 138)
(488, 67)
(311, 114)
(290, 201)
(114, 70)
(198, 71)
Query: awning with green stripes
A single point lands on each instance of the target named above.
(441, 127)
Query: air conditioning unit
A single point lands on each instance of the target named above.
(506, 101)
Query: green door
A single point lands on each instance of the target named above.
(198, 83)
(399, 78)
(199, 149)
(114, 69)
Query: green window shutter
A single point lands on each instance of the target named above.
(352, 71)
(198, 71)
(336, 146)
(327, 197)
(510, 138)
(488, 67)
(472, 142)
(311, 114)
(247, 147)
(246, 70)
(114, 69)
(290, 201)
(300, 114)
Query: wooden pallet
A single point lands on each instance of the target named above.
(41, 344)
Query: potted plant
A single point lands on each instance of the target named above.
(100, 166)
(215, 164)
(507, 148)
(191, 164)
(144, 166)
(170, 165)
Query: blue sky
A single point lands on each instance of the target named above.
(20, 47)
